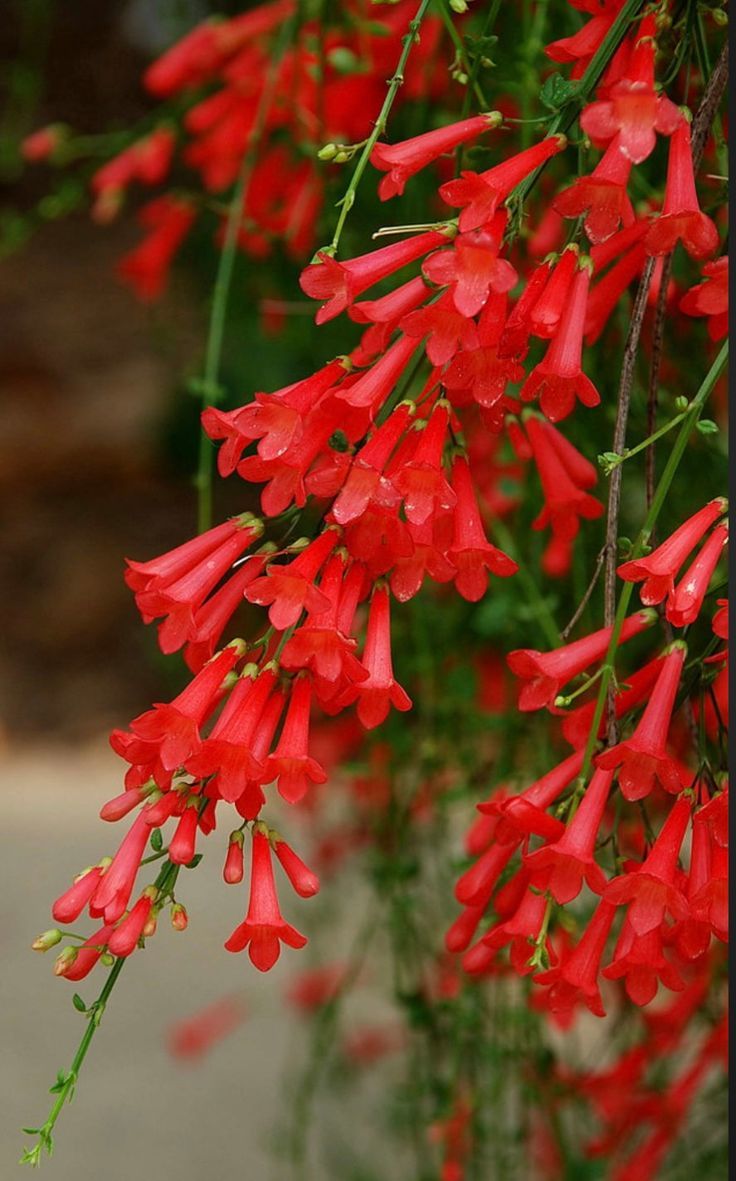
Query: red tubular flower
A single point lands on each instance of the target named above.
(709, 903)
(146, 267)
(565, 501)
(303, 881)
(263, 930)
(124, 938)
(562, 866)
(639, 961)
(389, 309)
(652, 888)
(692, 935)
(632, 111)
(316, 987)
(475, 886)
(195, 57)
(81, 961)
(445, 330)
(290, 589)
(211, 619)
(576, 726)
(550, 303)
(227, 753)
(147, 160)
(169, 733)
(602, 196)
(71, 903)
(114, 888)
(575, 979)
(658, 569)
(178, 598)
(559, 379)
(460, 933)
(581, 46)
(514, 338)
(143, 576)
(681, 218)
(520, 931)
(519, 816)
(285, 476)
(379, 691)
(340, 283)
(194, 1036)
(290, 764)
(546, 672)
(720, 629)
(686, 600)
(275, 419)
(373, 387)
(642, 760)
(428, 557)
(366, 482)
(420, 481)
(471, 553)
(404, 159)
(183, 842)
(710, 298)
(41, 145)
(233, 869)
(320, 644)
(472, 268)
(479, 370)
(479, 195)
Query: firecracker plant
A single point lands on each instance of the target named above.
(489, 531)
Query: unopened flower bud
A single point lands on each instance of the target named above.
(328, 152)
(64, 961)
(47, 939)
(179, 917)
(233, 870)
(42, 144)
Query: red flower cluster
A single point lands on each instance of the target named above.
(399, 449)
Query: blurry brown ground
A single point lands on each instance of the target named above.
(87, 378)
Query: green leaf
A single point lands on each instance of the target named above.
(557, 91)
(706, 426)
(194, 862)
(157, 840)
(78, 1003)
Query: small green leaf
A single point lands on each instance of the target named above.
(706, 426)
(78, 1003)
(157, 840)
(557, 91)
(194, 862)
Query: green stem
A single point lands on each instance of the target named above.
(631, 451)
(32, 1156)
(462, 56)
(94, 1016)
(565, 117)
(347, 201)
(690, 419)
